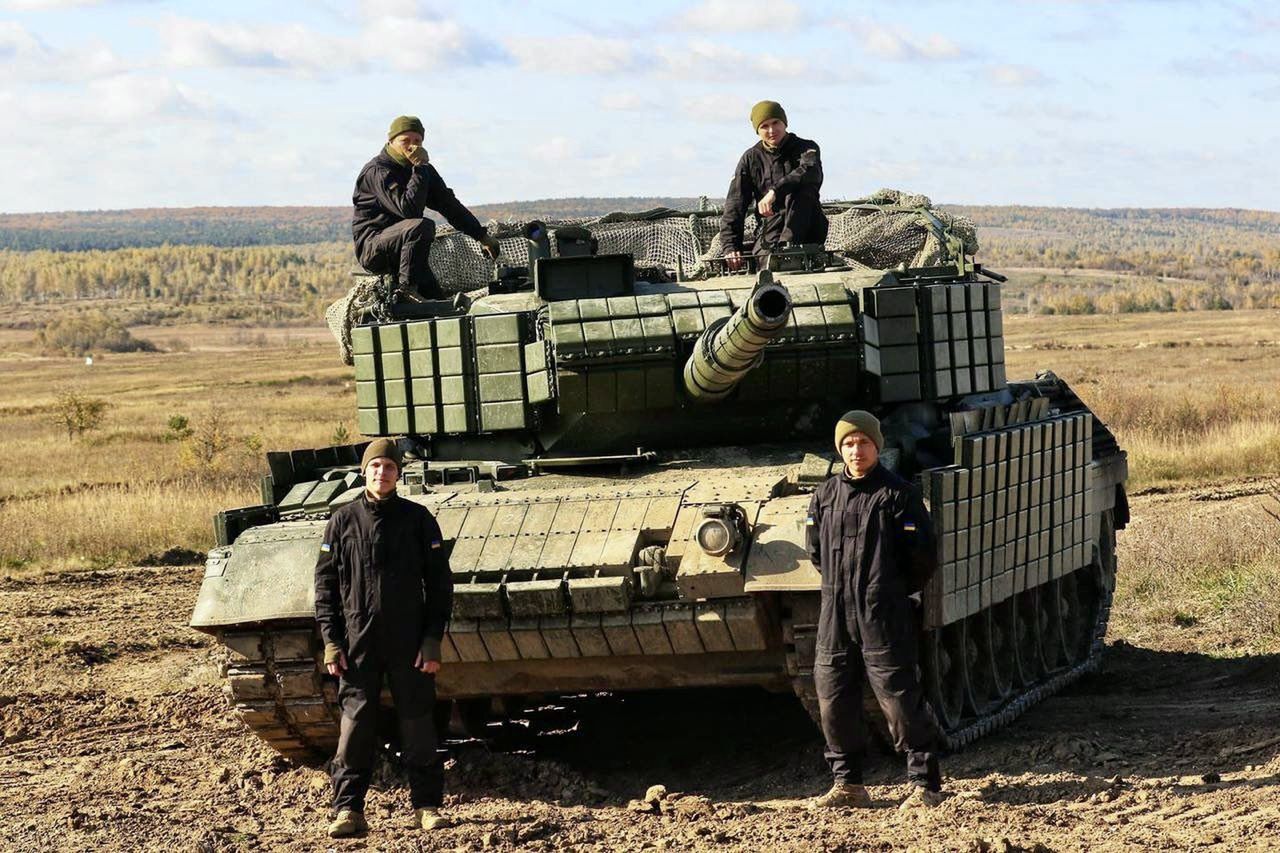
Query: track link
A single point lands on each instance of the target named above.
(274, 686)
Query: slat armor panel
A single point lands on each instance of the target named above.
(1010, 514)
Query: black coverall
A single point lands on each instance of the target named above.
(871, 540)
(797, 213)
(383, 593)
(390, 232)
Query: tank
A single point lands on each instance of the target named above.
(620, 449)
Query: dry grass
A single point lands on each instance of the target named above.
(1201, 576)
(123, 491)
(1192, 397)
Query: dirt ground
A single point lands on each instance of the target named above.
(116, 736)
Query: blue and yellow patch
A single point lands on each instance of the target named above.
(435, 544)
(324, 547)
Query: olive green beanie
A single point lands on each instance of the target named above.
(859, 421)
(403, 124)
(766, 110)
(380, 448)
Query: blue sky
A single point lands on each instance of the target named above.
(129, 103)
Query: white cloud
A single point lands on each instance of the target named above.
(1015, 75)
(716, 109)
(901, 45)
(405, 42)
(202, 44)
(131, 98)
(627, 102)
(702, 60)
(423, 44)
(112, 108)
(742, 16)
(557, 149)
(45, 5)
(24, 56)
(18, 41)
(574, 54)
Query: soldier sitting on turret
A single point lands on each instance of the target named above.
(779, 177)
(393, 190)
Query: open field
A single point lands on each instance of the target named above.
(116, 734)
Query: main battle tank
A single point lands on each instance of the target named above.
(620, 447)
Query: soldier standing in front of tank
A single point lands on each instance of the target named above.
(383, 597)
(869, 536)
(392, 192)
(778, 179)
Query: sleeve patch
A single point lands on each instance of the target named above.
(808, 522)
(324, 548)
(909, 527)
(435, 543)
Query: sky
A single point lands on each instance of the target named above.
(110, 104)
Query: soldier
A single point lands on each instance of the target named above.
(383, 596)
(392, 191)
(868, 533)
(778, 179)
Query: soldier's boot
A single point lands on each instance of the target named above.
(430, 818)
(348, 823)
(843, 795)
(921, 798)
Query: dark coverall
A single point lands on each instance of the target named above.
(797, 213)
(390, 232)
(383, 592)
(871, 540)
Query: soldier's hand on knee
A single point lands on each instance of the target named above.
(765, 207)
(734, 261)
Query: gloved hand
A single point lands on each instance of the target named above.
(490, 245)
(809, 158)
(418, 156)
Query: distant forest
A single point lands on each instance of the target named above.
(296, 259)
(73, 231)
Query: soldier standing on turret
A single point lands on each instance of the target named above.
(778, 179)
(392, 192)
(869, 536)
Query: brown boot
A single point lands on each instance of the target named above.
(843, 795)
(921, 798)
(430, 818)
(348, 823)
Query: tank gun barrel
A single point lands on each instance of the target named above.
(730, 347)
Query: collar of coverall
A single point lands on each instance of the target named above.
(874, 473)
(774, 149)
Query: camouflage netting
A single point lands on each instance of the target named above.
(885, 230)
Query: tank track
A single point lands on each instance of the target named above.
(274, 685)
(799, 636)
(1017, 705)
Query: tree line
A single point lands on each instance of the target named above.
(1164, 259)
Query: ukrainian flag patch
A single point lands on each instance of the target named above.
(435, 543)
(808, 522)
(909, 527)
(324, 548)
